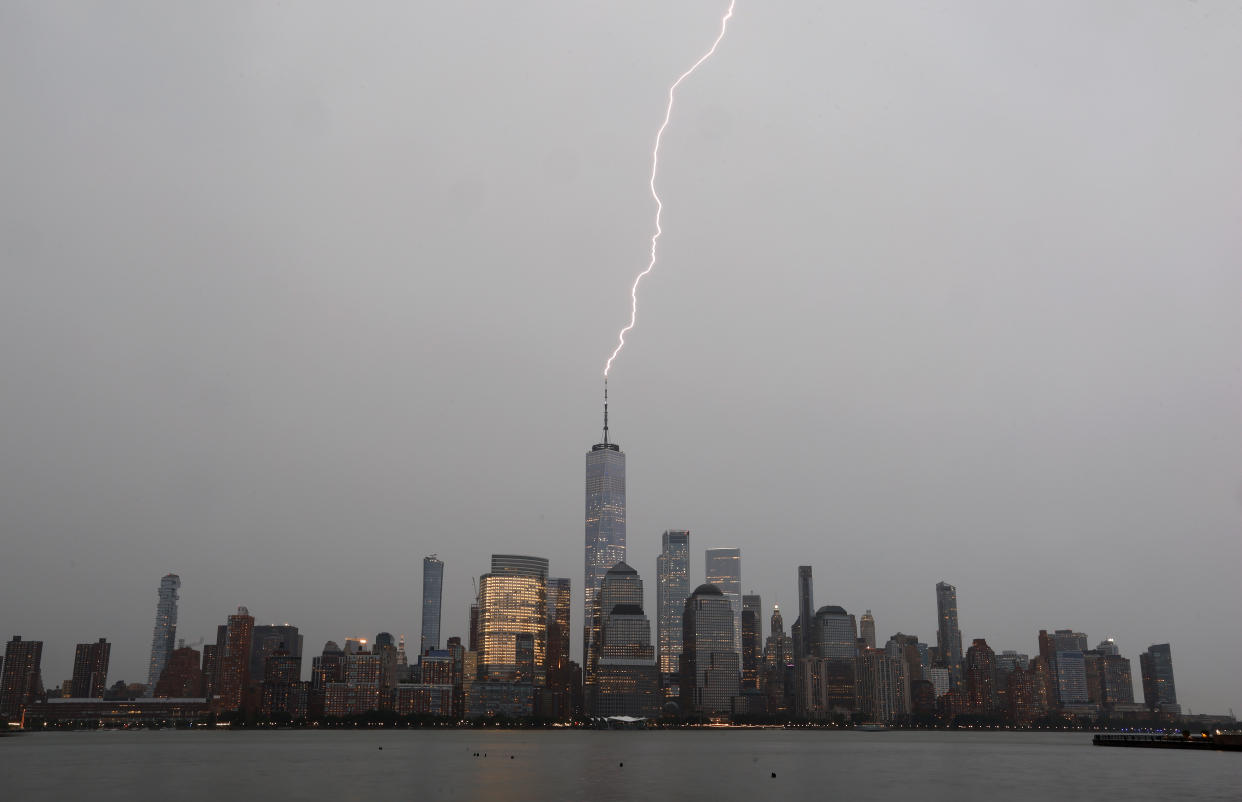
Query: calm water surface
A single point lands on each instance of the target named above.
(570, 765)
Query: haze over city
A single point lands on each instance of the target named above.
(298, 295)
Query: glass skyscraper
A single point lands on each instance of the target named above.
(557, 660)
(625, 676)
(164, 638)
(806, 608)
(433, 590)
(709, 664)
(948, 634)
(835, 633)
(513, 619)
(672, 590)
(1159, 689)
(724, 570)
(605, 522)
(620, 585)
(752, 640)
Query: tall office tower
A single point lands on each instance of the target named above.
(557, 661)
(1156, 665)
(906, 649)
(233, 660)
(829, 673)
(90, 669)
(775, 678)
(1071, 677)
(266, 639)
(778, 651)
(605, 521)
(866, 629)
(980, 672)
(328, 667)
(182, 678)
(752, 640)
(806, 609)
(724, 570)
(403, 658)
(283, 692)
(22, 679)
(474, 626)
(880, 686)
(836, 633)
(520, 565)
(359, 689)
(620, 585)
(385, 648)
(627, 678)
(672, 590)
(211, 655)
(1067, 640)
(948, 634)
(709, 664)
(165, 635)
(433, 590)
(1022, 697)
(1046, 671)
(1115, 683)
(458, 653)
(1108, 646)
(513, 601)
(1070, 666)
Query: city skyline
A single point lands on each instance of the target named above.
(517, 600)
(283, 315)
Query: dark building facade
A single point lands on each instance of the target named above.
(948, 632)
(182, 678)
(1159, 689)
(233, 660)
(804, 646)
(265, 639)
(90, 670)
(980, 675)
(21, 681)
(752, 641)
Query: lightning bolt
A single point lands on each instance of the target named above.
(655, 166)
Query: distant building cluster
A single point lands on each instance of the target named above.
(707, 658)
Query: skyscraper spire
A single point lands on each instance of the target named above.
(604, 520)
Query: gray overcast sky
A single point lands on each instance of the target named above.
(295, 294)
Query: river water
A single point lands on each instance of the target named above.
(186, 766)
